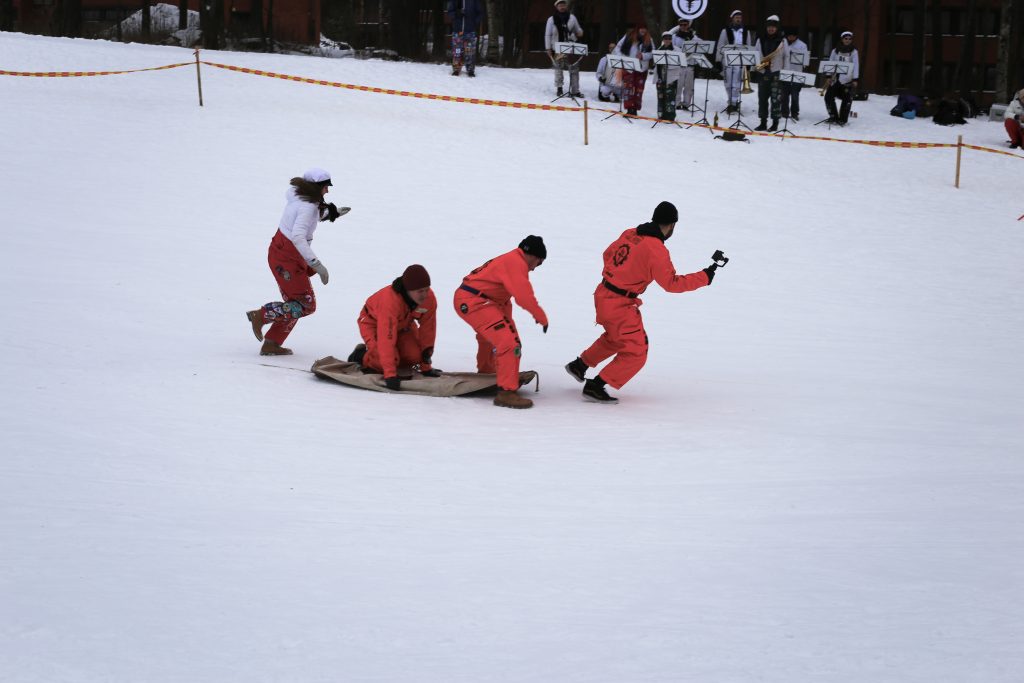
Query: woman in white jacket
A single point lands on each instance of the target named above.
(1014, 121)
(637, 43)
(292, 260)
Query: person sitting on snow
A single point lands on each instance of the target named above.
(398, 325)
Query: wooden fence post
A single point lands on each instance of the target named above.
(959, 151)
(586, 134)
(199, 79)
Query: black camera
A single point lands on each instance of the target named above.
(719, 258)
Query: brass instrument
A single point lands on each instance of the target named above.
(746, 89)
(763, 64)
(825, 86)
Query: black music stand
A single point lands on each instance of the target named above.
(668, 58)
(703, 62)
(631, 64)
(740, 57)
(794, 78)
(693, 49)
(798, 60)
(832, 71)
(567, 50)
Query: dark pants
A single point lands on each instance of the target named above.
(790, 99)
(767, 89)
(843, 93)
(667, 100)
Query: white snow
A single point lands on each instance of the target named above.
(817, 477)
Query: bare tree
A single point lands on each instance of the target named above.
(650, 18)
(936, 83)
(891, 47)
(917, 47)
(182, 15)
(147, 22)
(962, 74)
(1003, 86)
(495, 28)
(6, 15)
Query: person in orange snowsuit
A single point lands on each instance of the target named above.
(483, 300)
(398, 325)
(637, 258)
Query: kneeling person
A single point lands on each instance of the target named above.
(398, 325)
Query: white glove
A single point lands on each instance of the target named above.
(320, 269)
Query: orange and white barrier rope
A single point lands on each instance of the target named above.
(72, 74)
(388, 91)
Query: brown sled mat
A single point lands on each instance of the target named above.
(448, 384)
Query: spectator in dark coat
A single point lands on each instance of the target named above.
(465, 16)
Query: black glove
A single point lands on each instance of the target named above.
(332, 212)
(428, 353)
(432, 372)
(393, 383)
(710, 271)
(545, 328)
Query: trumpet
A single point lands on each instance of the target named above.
(746, 89)
(825, 86)
(763, 64)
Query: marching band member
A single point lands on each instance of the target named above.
(791, 91)
(734, 34)
(666, 81)
(684, 93)
(1014, 121)
(773, 47)
(842, 86)
(610, 88)
(563, 28)
(636, 43)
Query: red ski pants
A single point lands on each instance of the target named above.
(407, 350)
(1015, 131)
(292, 275)
(498, 342)
(624, 337)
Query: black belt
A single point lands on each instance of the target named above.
(620, 292)
(473, 290)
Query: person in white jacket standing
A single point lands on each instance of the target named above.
(1013, 119)
(292, 260)
(563, 28)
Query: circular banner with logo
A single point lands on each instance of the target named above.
(689, 9)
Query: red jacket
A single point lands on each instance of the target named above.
(639, 257)
(505, 277)
(388, 314)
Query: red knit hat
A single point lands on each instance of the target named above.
(415, 277)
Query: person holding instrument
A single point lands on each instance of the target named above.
(842, 85)
(773, 47)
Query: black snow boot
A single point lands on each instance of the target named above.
(471, 71)
(594, 391)
(559, 91)
(578, 369)
(774, 127)
(763, 125)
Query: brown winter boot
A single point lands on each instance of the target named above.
(256, 318)
(510, 399)
(272, 348)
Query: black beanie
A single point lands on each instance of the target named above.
(415, 277)
(535, 246)
(665, 213)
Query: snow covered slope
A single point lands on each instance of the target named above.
(817, 476)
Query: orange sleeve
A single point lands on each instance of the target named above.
(664, 273)
(517, 282)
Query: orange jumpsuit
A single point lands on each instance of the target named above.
(637, 258)
(484, 302)
(397, 332)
